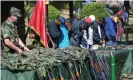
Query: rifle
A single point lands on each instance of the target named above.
(53, 78)
(72, 74)
(105, 66)
(87, 70)
(96, 66)
(100, 67)
(61, 77)
(77, 73)
(92, 66)
(48, 75)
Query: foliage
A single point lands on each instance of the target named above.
(76, 5)
(28, 6)
(60, 4)
(98, 9)
(52, 12)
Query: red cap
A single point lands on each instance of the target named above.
(88, 20)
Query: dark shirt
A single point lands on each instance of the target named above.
(54, 31)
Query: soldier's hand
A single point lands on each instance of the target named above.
(32, 36)
(19, 51)
(26, 49)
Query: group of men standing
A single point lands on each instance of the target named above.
(67, 32)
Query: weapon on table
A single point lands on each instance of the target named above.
(92, 66)
(61, 76)
(77, 73)
(96, 66)
(48, 75)
(88, 72)
(104, 66)
(53, 78)
(72, 74)
(101, 67)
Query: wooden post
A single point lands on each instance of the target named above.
(71, 9)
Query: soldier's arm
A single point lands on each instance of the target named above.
(11, 45)
(6, 37)
(22, 45)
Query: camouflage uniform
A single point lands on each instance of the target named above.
(36, 43)
(9, 30)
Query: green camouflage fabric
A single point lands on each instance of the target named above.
(15, 12)
(36, 43)
(9, 30)
(39, 58)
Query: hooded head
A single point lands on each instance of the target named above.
(62, 19)
(92, 18)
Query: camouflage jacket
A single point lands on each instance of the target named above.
(36, 43)
(9, 30)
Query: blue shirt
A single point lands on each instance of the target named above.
(110, 27)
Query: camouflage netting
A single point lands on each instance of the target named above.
(38, 59)
(42, 57)
(45, 60)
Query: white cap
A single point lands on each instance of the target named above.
(92, 17)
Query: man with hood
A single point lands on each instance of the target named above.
(110, 30)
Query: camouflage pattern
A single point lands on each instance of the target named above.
(39, 58)
(15, 12)
(9, 30)
(36, 43)
(126, 77)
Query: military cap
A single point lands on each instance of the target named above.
(16, 12)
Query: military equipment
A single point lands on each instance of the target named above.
(88, 71)
(15, 12)
(98, 66)
(92, 66)
(72, 74)
(77, 72)
(48, 75)
(60, 74)
(53, 78)
(44, 59)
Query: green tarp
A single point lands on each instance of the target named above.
(18, 75)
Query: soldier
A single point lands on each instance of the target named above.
(12, 42)
(36, 43)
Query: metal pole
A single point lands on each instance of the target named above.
(112, 67)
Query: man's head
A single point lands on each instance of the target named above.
(88, 20)
(114, 18)
(58, 21)
(15, 13)
(68, 23)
